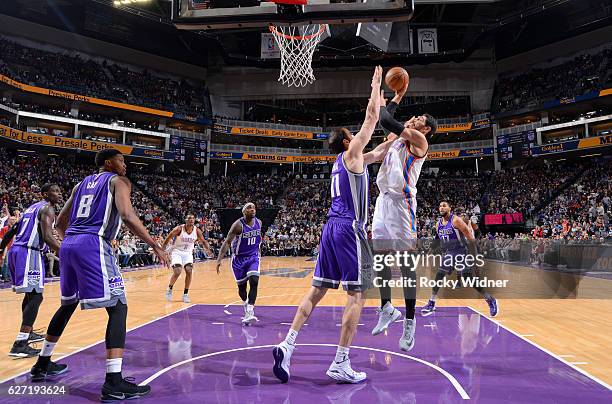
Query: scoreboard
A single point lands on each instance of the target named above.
(515, 145)
(188, 150)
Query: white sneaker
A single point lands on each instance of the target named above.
(186, 299)
(282, 360)
(249, 317)
(169, 295)
(387, 315)
(406, 342)
(343, 372)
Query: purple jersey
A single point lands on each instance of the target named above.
(29, 234)
(247, 243)
(93, 208)
(349, 193)
(451, 239)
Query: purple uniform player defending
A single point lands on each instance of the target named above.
(456, 240)
(33, 233)
(89, 274)
(245, 238)
(344, 255)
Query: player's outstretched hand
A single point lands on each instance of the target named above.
(162, 255)
(402, 91)
(377, 77)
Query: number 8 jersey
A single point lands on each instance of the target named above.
(93, 208)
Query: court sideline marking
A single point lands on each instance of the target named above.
(558, 357)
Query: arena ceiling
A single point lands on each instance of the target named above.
(506, 26)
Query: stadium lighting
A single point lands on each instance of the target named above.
(128, 2)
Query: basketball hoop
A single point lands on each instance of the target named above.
(297, 45)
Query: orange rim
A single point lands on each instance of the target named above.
(297, 37)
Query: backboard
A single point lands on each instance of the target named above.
(235, 14)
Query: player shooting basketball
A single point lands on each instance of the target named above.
(394, 222)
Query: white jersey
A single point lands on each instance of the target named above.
(185, 242)
(394, 226)
(399, 172)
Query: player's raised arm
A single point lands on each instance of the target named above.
(205, 244)
(174, 233)
(363, 137)
(126, 211)
(63, 219)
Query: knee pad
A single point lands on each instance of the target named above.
(116, 327)
(34, 297)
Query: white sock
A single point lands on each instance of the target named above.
(342, 354)
(388, 307)
(113, 365)
(22, 336)
(291, 336)
(433, 298)
(250, 307)
(47, 349)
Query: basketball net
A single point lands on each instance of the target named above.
(297, 45)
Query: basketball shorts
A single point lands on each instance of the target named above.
(394, 223)
(244, 267)
(345, 257)
(27, 269)
(181, 258)
(89, 273)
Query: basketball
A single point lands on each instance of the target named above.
(397, 78)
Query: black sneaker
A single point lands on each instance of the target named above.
(21, 349)
(53, 369)
(35, 337)
(125, 389)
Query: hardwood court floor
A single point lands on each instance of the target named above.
(578, 330)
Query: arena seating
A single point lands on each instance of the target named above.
(578, 76)
(580, 195)
(105, 79)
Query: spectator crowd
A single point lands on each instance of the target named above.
(568, 202)
(582, 74)
(102, 79)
